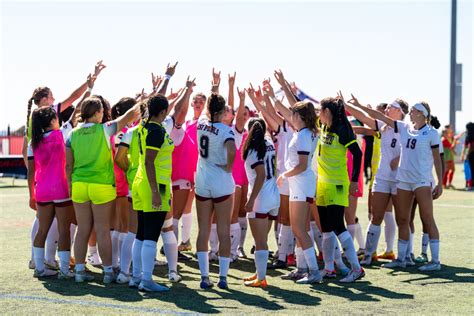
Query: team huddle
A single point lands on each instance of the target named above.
(111, 180)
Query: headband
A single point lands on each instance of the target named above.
(420, 107)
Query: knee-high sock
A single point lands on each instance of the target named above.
(137, 258)
(176, 228)
(317, 236)
(34, 230)
(39, 258)
(187, 220)
(329, 246)
(410, 244)
(434, 247)
(359, 236)
(121, 238)
(243, 230)
(372, 240)
(224, 266)
(126, 253)
(301, 263)
(64, 258)
(390, 230)
(284, 241)
(261, 258)
(114, 237)
(425, 241)
(52, 242)
(203, 260)
(338, 257)
(170, 246)
(349, 250)
(352, 230)
(148, 258)
(214, 239)
(402, 249)
(234, 239)
(310, 257)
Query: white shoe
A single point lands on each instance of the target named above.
(174, 277)
(82, 276)
(134, 282)
(94, 259)
(31, 264)
(123, 278)
(150, 286)
(160, 263)
(353, 276)
(44, 273)
(65, 275)
(397, 263)
(366, 261)
(311, 278)
(431, 266)
(213, 256)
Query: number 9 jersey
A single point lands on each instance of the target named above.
(212, 181)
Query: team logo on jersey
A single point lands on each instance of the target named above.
(209, 128)
(425, 133)
(327, 138)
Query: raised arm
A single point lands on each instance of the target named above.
(362, 130)
(216, 81)
(170, 70)
(372, 113)
(182, 105)
(263, 110)
(285, 87)
(279, 106)
(230, 99)
(240, 115)
(360, 115)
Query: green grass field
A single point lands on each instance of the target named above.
(449, 291)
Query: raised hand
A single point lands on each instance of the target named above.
(268, 90)
(266, 81)
(232, 79)
(190, 83)
(156, 81)
(259, 95)
(174, 95)
(340, 96)
(280, 78)
(98, 68)
(90, 81)
(216, 77)
(293, 87)
(171, 69)
(353, 101)
(241, 94)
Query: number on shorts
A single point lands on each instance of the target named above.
(394, 143)
(204, 146)
(411, 143)
(270, 166)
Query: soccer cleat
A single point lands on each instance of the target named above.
(277, 264)
(353, 276)
(387, 255)
(409, 261)
(257, 283)
(53, 265)
(423, 258)
(151, 286)
(328, 274)
(123, 278)
(213, 256)
(310, 278)
(134, 282)
(185, 246)
(206, 283)
(397, 263)
(94, 259)
(222, 284)
(430, 266)
(44, 273)
(234, 258)
(291, 260)
(250, 278)
(183, 257)
(368, 259)
(31, 265)
(65, 275)
(82, 276)
(160, 263)
(361, 251)
(295, 275)
(241, 253)
(174, 277)
(109, 277)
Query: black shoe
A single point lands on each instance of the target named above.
(183, 257)
(277, 264)
(252, 250)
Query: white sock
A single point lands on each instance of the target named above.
(338, 257)
(317, 236)
(137, 258)
(176, 228)
(310, 257)
(243, 230)
(34, 230)
(148, 258)
(126, 252)
(52, 242)
(64, 257)
(301, 263)
(329, 246)
(359, 236)
(402, 249)
(349, 250)
(108, 269)
(92, 250)
(187, 220)
(39, 258)
(203, 260)
(114, 235)
(410, 244)
(284, 242)
(434, 247)
(170, 246)
(372, 240)
(425, 240)
(72, 230)
(121, 238)
(234, 238)
(214, 239)
(352, 230)
(80, 267)
(261, 258)
(390, 230)
(223, 266)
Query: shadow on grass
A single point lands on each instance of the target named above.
(448, 274)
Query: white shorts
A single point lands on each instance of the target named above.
(384, 186)
(302, 189)
(182, 184)
(410, 186)
(214, 185)
(272, 214)
(284, 188)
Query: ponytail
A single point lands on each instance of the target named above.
(256, 138)
(38, 94)
(40, 121)
(215, 105)
(28, 113)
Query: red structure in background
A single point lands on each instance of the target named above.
(11, 145)
(11, 159)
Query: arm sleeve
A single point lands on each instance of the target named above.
(346, 137)
(168, 124)
(126, 139)
(253, 159)
(356, 161)
(110, 128)
(177, 135)
(155, 139)
(303, 144)
(229, 135)
(434, 141)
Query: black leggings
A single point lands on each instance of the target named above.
(332, 218)
(149, 225)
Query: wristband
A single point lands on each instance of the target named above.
(89, 89)
(167, 77)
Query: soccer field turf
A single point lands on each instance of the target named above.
(449, 291)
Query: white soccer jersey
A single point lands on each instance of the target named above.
(416, 159)
(127, 137)
(176, 134)
(303, 143)
(389, 149)
(283, 137)
(238, 136)
(269, 197)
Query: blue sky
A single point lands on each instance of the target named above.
(378, 50)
